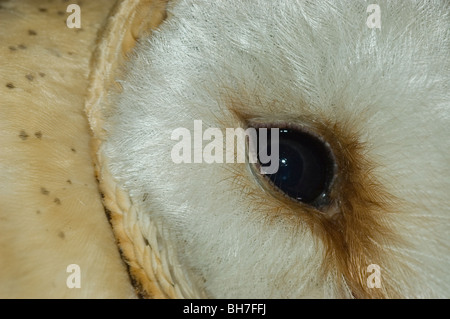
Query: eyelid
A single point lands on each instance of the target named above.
(282, 124)
(327, 210)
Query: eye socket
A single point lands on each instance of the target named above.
(306, 165)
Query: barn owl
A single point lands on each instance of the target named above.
(358, 207)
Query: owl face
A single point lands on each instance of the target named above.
(358, 202)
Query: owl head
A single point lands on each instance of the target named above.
(347, 101)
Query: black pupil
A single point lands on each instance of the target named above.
(305, 165)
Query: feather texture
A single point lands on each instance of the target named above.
(379, 96)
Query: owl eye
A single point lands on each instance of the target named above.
(305, 165)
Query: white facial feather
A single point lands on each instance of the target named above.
(314, 58)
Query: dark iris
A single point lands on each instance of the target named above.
(305, 166)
